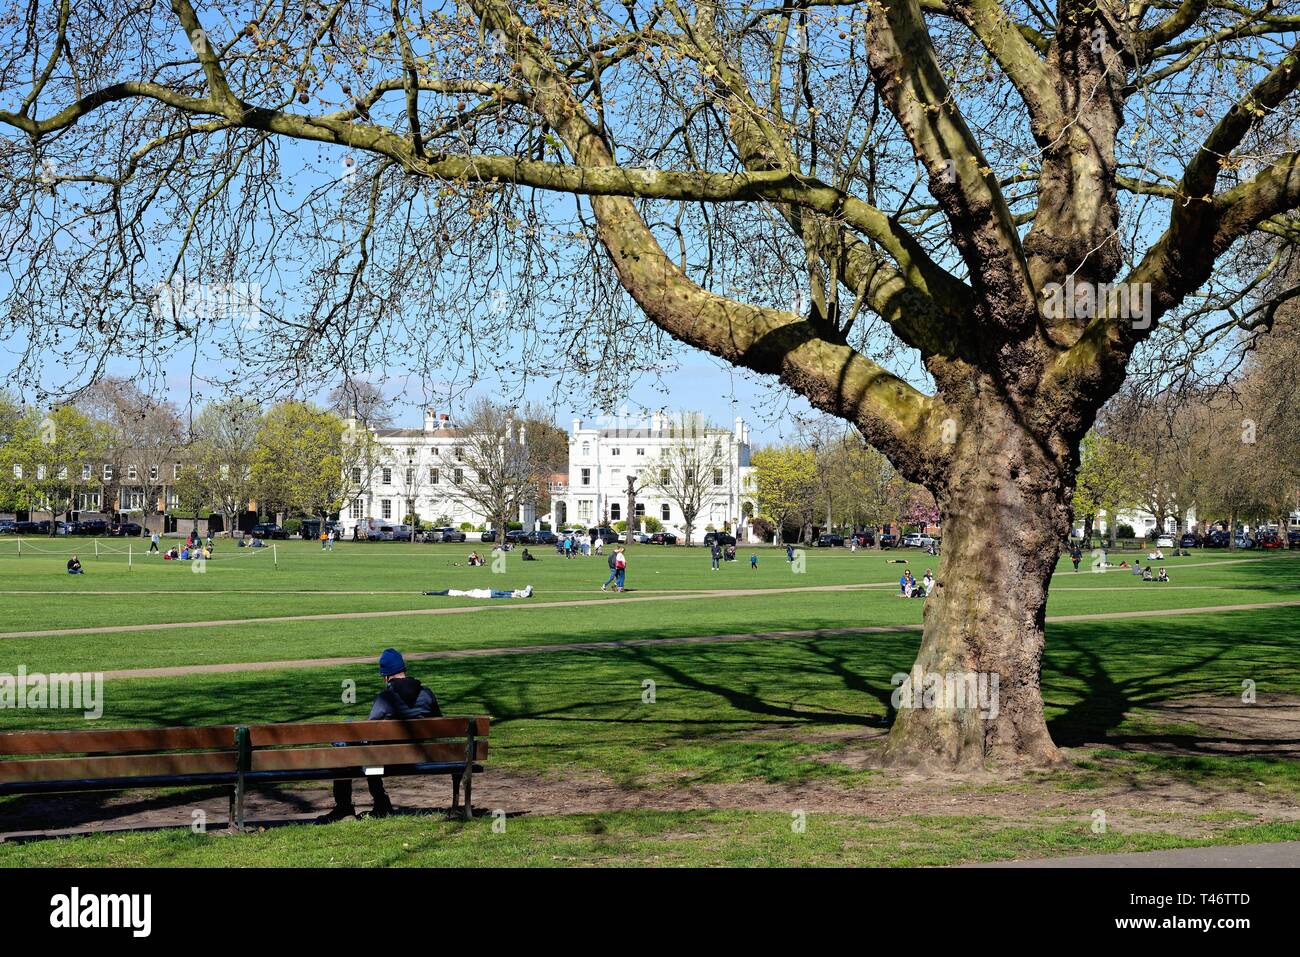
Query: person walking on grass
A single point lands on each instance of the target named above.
(329, 542)
(789, 552)
(620, 570)
(1076, 556)
(153, 543)
(403, 699)
(715, 553)
(613, 570)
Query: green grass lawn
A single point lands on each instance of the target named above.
(753, 713)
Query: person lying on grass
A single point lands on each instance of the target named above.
(402, 699)
(482, 593)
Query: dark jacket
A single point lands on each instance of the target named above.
(403, 699)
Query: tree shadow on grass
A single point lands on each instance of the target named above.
(1102, 671)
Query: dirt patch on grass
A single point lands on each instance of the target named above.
(1133, 797)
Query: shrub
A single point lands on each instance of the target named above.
(652, 524)
(292, 525)
(763, 528)
(620, 526)
(1124, 531)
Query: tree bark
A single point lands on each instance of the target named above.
(1006, 514)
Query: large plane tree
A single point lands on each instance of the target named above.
(911, 212)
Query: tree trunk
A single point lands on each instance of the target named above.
(1005, 514)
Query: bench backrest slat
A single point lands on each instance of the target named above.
(116, 741)
(118, 766)
(327, 732)
(367, 755)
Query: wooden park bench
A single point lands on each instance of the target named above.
(243, 756)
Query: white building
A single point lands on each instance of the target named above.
(412, 475)
(601, 459)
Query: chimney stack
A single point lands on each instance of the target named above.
(577, 425)
(428, 420)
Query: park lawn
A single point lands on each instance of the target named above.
(649, 613)
(766, 710)
(622, 838)
(373, 577)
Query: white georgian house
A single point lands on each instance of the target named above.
(412, 476)
(601, 458)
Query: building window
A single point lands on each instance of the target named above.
(176, 471)
(173, 500)
(85, 473)
(666, 512)
(225, 470)
(433, 476)
(130, 472)
(460, 454)
(108, 473)
(18, 471)
(615, 512)
(663, 476)
(356, 508)
(153, 473)
(584, 510)
(458, 476)
(388, 477)
(410, 476)
(586, 476)
(386, 508)
(717, 476)
(586, 448)
(615, 451)
(640, 509)
(356, 475)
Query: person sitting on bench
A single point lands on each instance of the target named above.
(74, 566)
(403, 699)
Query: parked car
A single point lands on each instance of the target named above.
(545, 537)
(268, 530)
(1244, 541)
(31, 528)
(446, 535)
(1189, 540)
(519, 536)
(124, 529)
(1268, 540)
(489, 536)
(7, 526)
(917, 540)
(888, 540)
(403, 533)
(663, 538)
(865, 539)
(1293, 538)
(830, 541)
(310, 529)
(94, 526)
(1165, 541)
(610, 536)
(722, 538)
(641, 538)
(1218, 538)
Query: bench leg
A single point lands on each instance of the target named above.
(469, 810)
(455, 792)
(237, 807)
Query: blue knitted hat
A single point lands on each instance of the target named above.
(391, 662)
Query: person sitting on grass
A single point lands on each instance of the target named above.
(74, 566)
(403, 699)
(474, 559)
(928, 581)
(527, 556)
(1146, 574)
